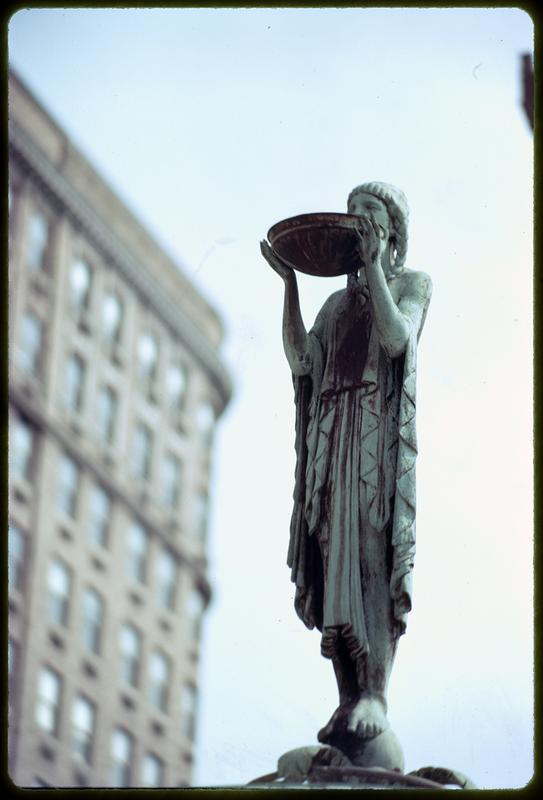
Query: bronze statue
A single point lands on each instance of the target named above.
(352, 536)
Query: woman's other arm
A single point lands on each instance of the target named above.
(394, 321)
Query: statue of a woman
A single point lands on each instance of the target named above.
(352, 537)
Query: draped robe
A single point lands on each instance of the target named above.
(356, 450)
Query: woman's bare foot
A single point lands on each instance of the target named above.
(368, 717)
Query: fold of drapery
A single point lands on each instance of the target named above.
(385, 442)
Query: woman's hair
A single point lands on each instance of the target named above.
(398, 211)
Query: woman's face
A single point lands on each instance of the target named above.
(368, 205)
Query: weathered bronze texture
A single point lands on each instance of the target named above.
(323, 769)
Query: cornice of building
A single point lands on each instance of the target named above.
(134, 272)
(36, 413)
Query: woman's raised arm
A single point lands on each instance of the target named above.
(295, 339)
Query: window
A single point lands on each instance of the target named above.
(48, 700)
(21, 449)
(147, 355)
(195, 610)
(80, 283)
(205, 421)
(171, 481)
(141, 452)
(59, 584)
(138, 550)
(159, 679)
(28, 353)
(73, 382)
(83, 717)
(16, 559)
(112, 314)
(152, 771)
(92, 620)
(188, 710)
(68, 486)
(165, 579)
(122, 754)
(107, 409)
(176, 385)
(200, 509)
(37, 239)
(99, 514)
(130, 654)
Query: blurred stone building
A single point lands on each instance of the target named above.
(115, 385)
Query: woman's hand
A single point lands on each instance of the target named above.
(371, 242)
(275, 262)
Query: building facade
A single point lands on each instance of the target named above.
(115, 386)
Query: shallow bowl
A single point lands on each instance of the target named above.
(321, 244)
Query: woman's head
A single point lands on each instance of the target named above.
(374, 199)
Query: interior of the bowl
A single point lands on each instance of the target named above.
(322, 244)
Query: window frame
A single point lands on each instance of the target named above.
(80, 302)
(82, 737)
(58, 597)
(142, 451)
(147, 372)
(138, 554)
(106, 413)
(17, 541)
(21, 464)
(92, 624)
(75, 371)
(200, 511)
(166, 579)
(47, 704)
(68, 496)
(125, 763)
(194, 610)
(99, 516)
(36, 253)
(30, 358)
(188, 710)
(159, 679)
(130, 658)
(112, 335)
(172, 472)
(176, 400)
(157, 782)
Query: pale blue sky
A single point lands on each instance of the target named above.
(215, 124)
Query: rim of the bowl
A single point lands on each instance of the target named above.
(317, 219)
